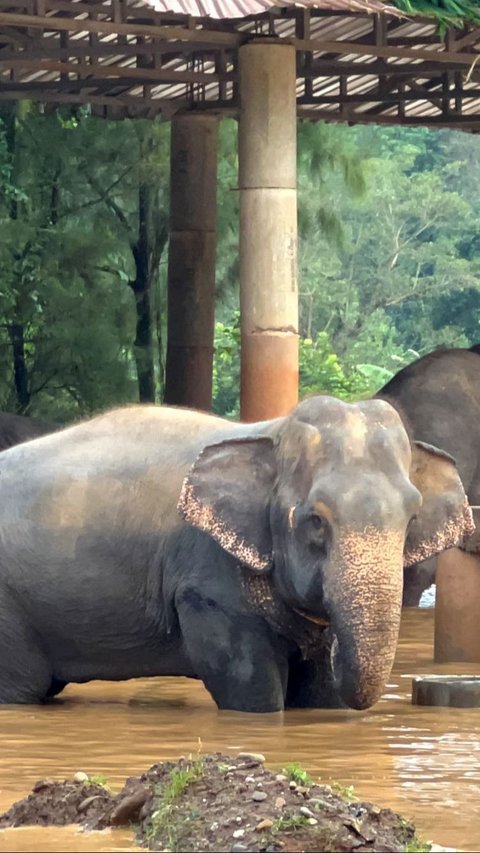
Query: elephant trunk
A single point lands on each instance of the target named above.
(366, 597)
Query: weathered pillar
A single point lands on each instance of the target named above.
(457, 607)
(191, 260)
(268, 230)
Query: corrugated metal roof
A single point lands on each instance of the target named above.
(223, 9)
(351, 67)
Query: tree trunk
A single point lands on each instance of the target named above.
(142, 289)
(16, 333)
(16, 329)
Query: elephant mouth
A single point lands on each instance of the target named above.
(317, 620)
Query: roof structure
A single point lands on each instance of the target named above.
(357, 60)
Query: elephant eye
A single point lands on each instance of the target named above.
(319, 537)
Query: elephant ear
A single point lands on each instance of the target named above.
(227, 493)
(445, 517)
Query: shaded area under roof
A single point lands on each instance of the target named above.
(125, 58)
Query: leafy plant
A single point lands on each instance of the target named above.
(163, 823)
(296, 773)
(347, 792)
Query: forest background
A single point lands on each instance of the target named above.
(389, 258)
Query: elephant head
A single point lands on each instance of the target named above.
(333, 503)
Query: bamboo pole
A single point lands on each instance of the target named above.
(268, 230)
(191, 260)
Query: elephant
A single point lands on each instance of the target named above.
(264, 559)
(438, 398)
(15, 429)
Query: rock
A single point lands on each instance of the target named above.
(259, 796)
(292, 785)
(129, 808)
(264, 824)
(315, 801)
(259, 784)
(239, 833)
(306, 812)
(239, 848)
(87, 802)
(312, 821)
(252, 756)
(249, 779)
(42, 785)
(80, 777)
(280, 802)
(280, 777)
(239, 819)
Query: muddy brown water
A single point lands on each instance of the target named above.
(422, 762)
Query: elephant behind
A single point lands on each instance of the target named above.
(438, 396)
(15, 429)
(265, 559)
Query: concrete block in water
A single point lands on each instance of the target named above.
(451, 691)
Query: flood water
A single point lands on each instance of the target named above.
(424, 763)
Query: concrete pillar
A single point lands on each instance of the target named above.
(191, 260)
(268, 230)
(457, 607)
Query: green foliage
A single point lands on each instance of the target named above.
(226, 368)
(69, 213)
(283, 824)
(99, 779)
(163, 827)
(297, 774)
(346, 792)
(389, 255)
(447, 12)
(417, 846)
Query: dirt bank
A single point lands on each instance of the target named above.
(220, 803)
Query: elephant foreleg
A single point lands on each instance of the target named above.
(233, 655)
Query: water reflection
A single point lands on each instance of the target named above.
(423, 762)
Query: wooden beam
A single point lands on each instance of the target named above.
(75, 25)
(464, 122)
(373, 96)
(327, 68)
(164, 75)
(164, 105)
(349, 47)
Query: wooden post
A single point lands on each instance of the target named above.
(457, 607)
(191, 260)
(268, 230)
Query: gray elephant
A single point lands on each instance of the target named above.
(438, 398)
(265, 559)
(15, 429)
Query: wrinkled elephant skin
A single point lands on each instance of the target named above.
(265, 559)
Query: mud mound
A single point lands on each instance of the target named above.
(220, 803)
(57, 804)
